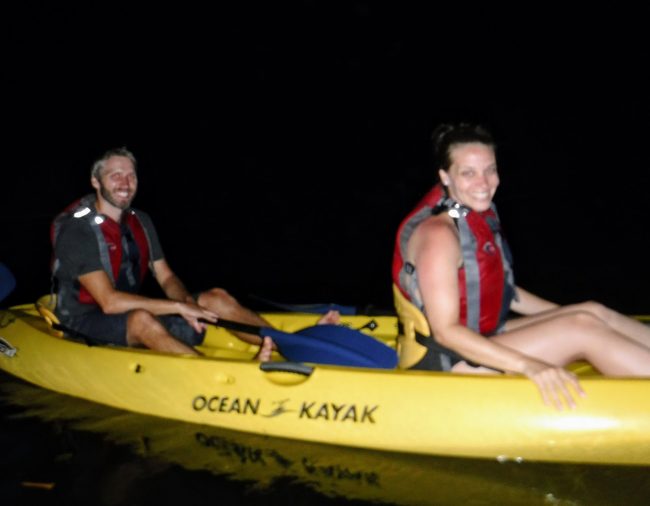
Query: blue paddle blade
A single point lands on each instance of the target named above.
(334, 345)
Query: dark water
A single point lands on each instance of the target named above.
(58, 450)
(279, 146)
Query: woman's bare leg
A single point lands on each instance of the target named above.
(564, 335)
(629, 327)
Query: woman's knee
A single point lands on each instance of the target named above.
(584, 325)
(597, 309)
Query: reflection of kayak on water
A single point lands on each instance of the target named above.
(329, 470)
(433, 413)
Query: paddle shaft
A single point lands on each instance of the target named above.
(75, 333)
(238, 326)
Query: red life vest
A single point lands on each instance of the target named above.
(109, 239)
(485, 279)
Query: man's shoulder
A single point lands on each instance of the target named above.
(140, 213)
(79, 219)
(145, 219)
(72, 214)
(73, 225)
(71, 228)
(77, 207)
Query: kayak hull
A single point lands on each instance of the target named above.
(433, 413)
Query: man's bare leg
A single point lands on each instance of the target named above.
(144, 329)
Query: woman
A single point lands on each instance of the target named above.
(451, 262)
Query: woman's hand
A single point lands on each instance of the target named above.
(556, 384)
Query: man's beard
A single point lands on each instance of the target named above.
(109, 198)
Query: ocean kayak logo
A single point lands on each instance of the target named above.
(309, 410)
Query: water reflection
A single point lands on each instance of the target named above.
(93, 454)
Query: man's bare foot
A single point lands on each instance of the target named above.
(264, 354)
(332, 317)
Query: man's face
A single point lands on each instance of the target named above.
(117, 182)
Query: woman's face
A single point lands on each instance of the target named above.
(472, 179)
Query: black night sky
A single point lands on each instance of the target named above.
(280, 145)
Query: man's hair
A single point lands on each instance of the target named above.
(100, 162)
(449, 135)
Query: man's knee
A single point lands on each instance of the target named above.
(217, 299)
(139, 320)
(143, 328)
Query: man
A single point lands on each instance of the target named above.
(102, 251)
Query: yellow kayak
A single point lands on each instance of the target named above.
(418, 412)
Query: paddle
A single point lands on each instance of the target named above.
(308, 308)
(324, 344)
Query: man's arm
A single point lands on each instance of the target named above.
(114, 301)
(170, 283)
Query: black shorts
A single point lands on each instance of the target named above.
(111, 328)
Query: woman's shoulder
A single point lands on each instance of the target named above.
(436, 232)
(439, 224)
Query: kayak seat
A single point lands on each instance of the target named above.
(45, 306)
(412, 322)
(413, 326)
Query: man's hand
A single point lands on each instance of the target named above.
(193, 313)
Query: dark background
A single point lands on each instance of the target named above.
(280, 144)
